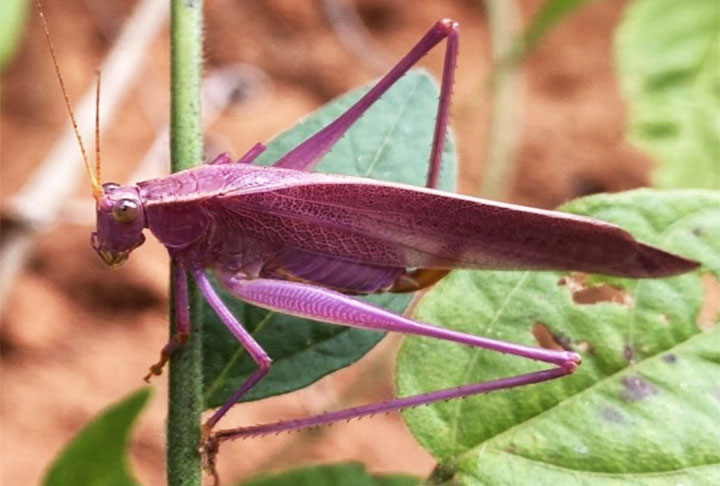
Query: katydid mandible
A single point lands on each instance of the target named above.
(303, 243)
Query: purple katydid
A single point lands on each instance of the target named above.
(303, 243)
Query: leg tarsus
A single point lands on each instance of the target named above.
(208, 452)
(175, 342)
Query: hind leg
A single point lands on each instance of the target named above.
(335, 308)
(305, 155)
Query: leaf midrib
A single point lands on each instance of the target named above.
(391, 129)
(471, 363)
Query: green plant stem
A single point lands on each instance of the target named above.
(185, 403)
(501, 158)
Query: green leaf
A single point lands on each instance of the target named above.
(97, 456)
(13, 15)
(391, 142)
(668, 59)
(643, 407)
(348, 474)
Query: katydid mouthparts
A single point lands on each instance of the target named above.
(304, 243)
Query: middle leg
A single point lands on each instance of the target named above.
(257, 353)
(182, 316)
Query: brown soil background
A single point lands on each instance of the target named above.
(77, 337)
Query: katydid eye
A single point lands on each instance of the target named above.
(125, 211)
(109, 187)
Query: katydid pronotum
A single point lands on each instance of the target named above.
(303, 243)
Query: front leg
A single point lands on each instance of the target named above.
(182, 314)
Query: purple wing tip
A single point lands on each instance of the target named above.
(652, 262)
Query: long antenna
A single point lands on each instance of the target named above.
(97, 127)
(94, 178)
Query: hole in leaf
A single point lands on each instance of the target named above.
(586, 294)
(548, 339)
(708, 314)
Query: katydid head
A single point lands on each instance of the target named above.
(120, 215)
(120, 223)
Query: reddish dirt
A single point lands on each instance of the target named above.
(77, 337)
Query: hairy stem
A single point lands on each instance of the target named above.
(185, 403)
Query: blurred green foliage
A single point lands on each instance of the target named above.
(13, 15)
(668, 59)
(97, 456)
(347, 474)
